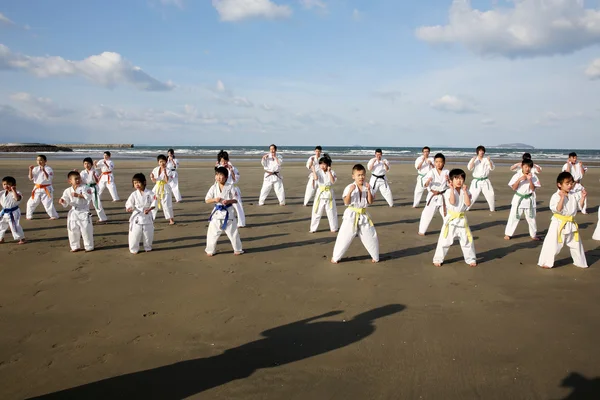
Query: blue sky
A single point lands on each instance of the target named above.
(297, 72)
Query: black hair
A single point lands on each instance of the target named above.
(480, 148)
(426, 148)
(527, 162)
(139, 177)
(222, 155)
(171, 151)
(359, 168)
(161, 157)
(440, 155)
(273, 145)
(456, 172)
(325, 159)
(10, 180)
(43, 157)
(222, 171)
(526, 156)
(572, 154)
(107, 153)
(378, 151)
(88, 159)
(72, 173)
(563, 176)
(319, 148)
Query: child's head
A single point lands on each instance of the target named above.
(526, 156)
(573, 157)
(162, 160)
(41, 160)
(318, 151)
(565, 181)
(526, 166)
(106, 155)
(171, 153)
(273, 149)
(378, 154)
(88, 163)
(8, 182)
(74, 178)
(139, 181)
(325, 162)
(480, 150)
(223, 157)
(426, 151)
(221, 175)
(440, 161)
(359, 174)
(457, 177)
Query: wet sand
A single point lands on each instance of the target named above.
(282, 322)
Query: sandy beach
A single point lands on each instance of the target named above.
(281, 322)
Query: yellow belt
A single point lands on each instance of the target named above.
(160, 192)
(457, 215)
(563, 221)
(359, 212)
(318, 197)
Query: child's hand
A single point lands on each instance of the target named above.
(265, 156)
(368, 186)
(129, 209)
(218, 200)
(352, 188)
(328, 169)
(464, 187)
(583, 194)
(31, 167)
(147, 210)
(62, 201)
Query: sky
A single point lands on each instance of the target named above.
(298, 72)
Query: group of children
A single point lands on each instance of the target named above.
(447, 194)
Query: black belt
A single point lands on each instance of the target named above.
(378, 177)
(443, 200)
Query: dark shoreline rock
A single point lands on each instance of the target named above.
(32, 148)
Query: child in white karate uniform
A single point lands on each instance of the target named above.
(481, 167)
(90, 178)
(10, 214)
(379, 168)
(311, 186)
(233, 179)
(160, 176)
(222, 219)
(141, 223)
(456, 226)
(436, 182)
(173, 166)
(577, 169)
(79, 219)
(271, 162)
(524, 184)
(563, 229)
(423, 165)
(107, 180)
(356, 219)
(526, 156)
(596, 235)
(324, 177)
(42, 177)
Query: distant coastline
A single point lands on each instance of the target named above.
(52, 148)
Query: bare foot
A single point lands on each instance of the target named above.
(374, 261)
(53, 218)
(536, 238)
(282, 204)
(437, 264)
(1, 241)
(333, 231)
(507, 237)
(209, 255)
(473, 264)
(87, 251)
(545, 266)
(333, 262)
(238, 253)
(171, 222)
(421, 234)
(148, 251)
(75, 251)
(133, 252)
(22, 241)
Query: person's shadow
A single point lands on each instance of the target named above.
(281, 345)
(582, 387)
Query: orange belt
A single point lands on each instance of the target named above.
(38, 186)
(107, 173)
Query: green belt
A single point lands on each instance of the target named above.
(477, 180)
(95, 187)
(422, 177)
(525, 197)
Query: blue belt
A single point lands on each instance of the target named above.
(9, 211)
(221, 207)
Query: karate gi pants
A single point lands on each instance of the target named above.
(382, 186)
(139, 233)
(112, 188)
(444, 243)
(174, 185)
(40, 196)
(166, 204)
(597, 231)
(266, 189)
(15, 229)
(331, 211)
(98, 207)
(419, 190)
(239, 208)
(485, 187)
(366, 233)
(584, 208)
(513, 221)
(215, 231)
(79, 225)
(311, 187)
(552, 247)
(427, 215)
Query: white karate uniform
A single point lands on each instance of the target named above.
(311, 186)
(526, 206)
(79, 219)
(163, 193)
(455, 227)
(481, 183)
(42, 192)
(232, 179)
(567, 235)
(272, 179)
(172, 167)
(90, 179)
(324, 201)
(107, 178)
(220, 217)
(422, 172)
(578, 171)
(596, 235)
(10, 216)
(141, 226)
(379, 179)
(439, 183)
(354, 223)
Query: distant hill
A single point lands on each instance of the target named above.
(513, 146)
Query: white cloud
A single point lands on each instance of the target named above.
(452, 104)
(593, 70)
(237, 10)
(176, 3)
(226, 96)
(530, 28)
(356, 15)
(220, 86)
(309, 4)
(40, 107)
(107, 69)
(5, 20)
(488, 122)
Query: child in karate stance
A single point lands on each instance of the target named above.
(271, 162)
(311, 186)
(233, 179)
(436, 182)
(90, 178)
(10, 215)
(458, 199)
(481, 167)
(141, 223)
(379, 167)
(524, 184)
(356, 220)
(423, 165)
(526, 156)
(563, 228)
(162, 190)
(172, 166)
(596, 235)
(42, 177)
(107, 180)
(324, 177)
(79, 219)
(578, 171)
(222, 219)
